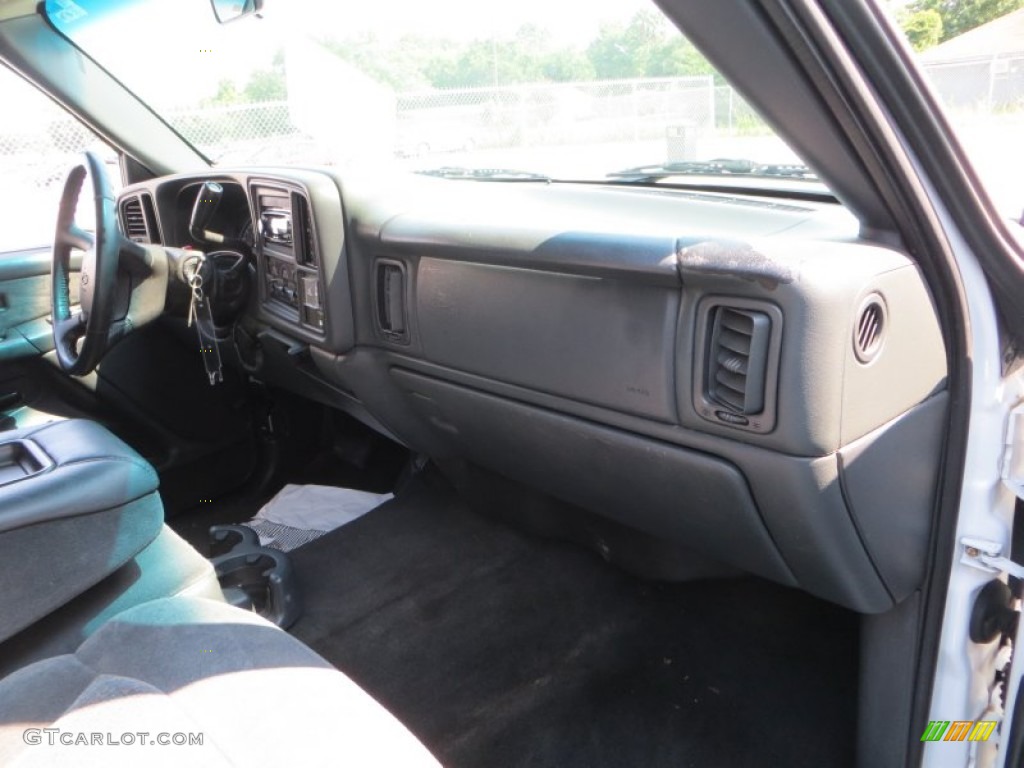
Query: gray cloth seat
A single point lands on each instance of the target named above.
(168, 566)
(80, 509)
(188, 665)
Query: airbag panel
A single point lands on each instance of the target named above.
(597, 340)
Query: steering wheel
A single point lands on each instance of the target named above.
(122, 284)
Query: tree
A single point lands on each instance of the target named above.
(262, 85)
(266, 85)
(227, 93)
(677, 57)
(959, 16)
(567, 66)
(922, 28)
(626, 51)
(648, 46)
(645, 46)
(404, 66)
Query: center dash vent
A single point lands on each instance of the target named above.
(738, 359)
(303, 229)
(139, 219)
(391, 301)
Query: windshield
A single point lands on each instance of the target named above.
(562, 89)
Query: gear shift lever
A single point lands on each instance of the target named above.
(207, 200)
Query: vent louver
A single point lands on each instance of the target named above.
(738, 358)
(138, 218)
(391, 300)
(869, 329)
(134, 220)
(303, 226)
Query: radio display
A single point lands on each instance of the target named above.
(277, 226)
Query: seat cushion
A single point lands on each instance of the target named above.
(187, 665)
(92, 470)
(67, 527)
(168, 566)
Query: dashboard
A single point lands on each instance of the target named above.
(744, 376)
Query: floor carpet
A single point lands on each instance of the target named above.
(193, 523)
(500, 649)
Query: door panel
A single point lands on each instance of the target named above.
(25, 302)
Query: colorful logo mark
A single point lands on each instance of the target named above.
(959, 730)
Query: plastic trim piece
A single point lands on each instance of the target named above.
(759, 417)
(391, 300)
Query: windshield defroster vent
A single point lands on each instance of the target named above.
(738, 359)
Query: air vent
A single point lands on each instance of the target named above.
(391, 315)
(303, 225)
(738, 359)
(869, 330)
(139, 219)
(134, 220)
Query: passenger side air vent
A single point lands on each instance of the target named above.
(139, 219)
(869, 330)
(391, 310)
(738, 359)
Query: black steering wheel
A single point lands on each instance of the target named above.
(122, 283)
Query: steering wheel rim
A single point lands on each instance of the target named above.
(81, 338)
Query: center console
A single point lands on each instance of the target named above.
(76, 504)
(290, 279)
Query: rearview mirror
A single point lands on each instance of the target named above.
(232, 10)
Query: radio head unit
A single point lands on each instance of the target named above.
(276, 226)
(288, 256)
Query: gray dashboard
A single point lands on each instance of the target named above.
(743, 375)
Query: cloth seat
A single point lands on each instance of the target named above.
(82, 507)
(179, 666)
(167, 566)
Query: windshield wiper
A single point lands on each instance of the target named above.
(483, 174)
(645, 174)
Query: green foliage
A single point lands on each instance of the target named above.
(227, 93)
(677, 57)
(959, 16)
(923, 28)
(646, 46)
(567, 66)
(266, 85)
(262, 85)
(400, 65)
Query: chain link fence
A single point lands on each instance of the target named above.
(235, 133)
(39, 154)
(39, 143)
(460, 120)
(551, 114)
(677, 113)
(982, 84)
(674, 112)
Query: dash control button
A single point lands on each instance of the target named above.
(732, 418)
